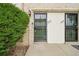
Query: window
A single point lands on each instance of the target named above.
(40, 16)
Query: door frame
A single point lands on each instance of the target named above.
(34, 23)
(76, 40)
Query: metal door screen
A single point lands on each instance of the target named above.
(40, 24)
(71, 27)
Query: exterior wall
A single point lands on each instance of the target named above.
(19, 5)
(55, 28)
(52, 5)
(31, 29)
(58, 35)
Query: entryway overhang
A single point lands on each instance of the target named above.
(56, 9)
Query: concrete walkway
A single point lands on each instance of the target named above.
(44, 49)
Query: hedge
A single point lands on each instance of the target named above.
(13, 23)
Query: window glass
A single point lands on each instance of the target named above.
(71, 20)
(43, 16)
(40, 23)
(37, 16)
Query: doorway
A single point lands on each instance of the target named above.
(40, 27)
(71, 24)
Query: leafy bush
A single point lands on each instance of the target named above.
(13, 23)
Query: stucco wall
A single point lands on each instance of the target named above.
(55, 28)
(31, 29)
(52, 5)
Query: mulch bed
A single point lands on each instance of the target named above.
(19, 50)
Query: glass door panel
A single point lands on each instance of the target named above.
(71, 27)
(40, 24)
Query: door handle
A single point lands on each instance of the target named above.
(62, 21)
(48, 21)
(35, 30)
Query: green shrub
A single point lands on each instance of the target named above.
(13, 23)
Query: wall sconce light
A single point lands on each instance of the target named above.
(29, 12)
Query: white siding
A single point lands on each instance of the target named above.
(55, 28)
